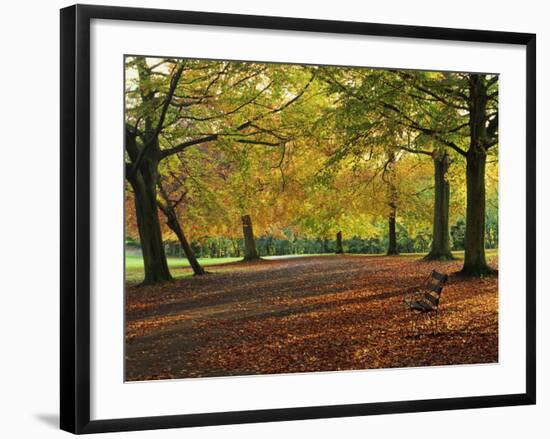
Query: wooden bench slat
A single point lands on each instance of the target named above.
(432, 299)
(435, 288)
(432, 292)
(439, 276)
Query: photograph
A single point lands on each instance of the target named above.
(297, 218)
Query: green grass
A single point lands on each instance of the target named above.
(179, 266)
(135, 262)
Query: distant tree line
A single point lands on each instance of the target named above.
(223, 247)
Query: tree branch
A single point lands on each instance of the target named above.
(415, 151)
(412, 81)
(167, 152)
(168, 99)
(435, 134)
(259, 142)
(215, 136)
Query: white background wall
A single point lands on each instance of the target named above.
(29, 200)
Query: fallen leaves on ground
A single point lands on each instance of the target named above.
(304, 315)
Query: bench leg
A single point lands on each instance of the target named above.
(417, 316)
(413, 319)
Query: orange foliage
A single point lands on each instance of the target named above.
(306, 314)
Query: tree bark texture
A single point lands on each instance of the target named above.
(339, 245)
(172, 222)
(441, 249)
(143, 183)
(392, 235)
(474, 246)
(250, 251)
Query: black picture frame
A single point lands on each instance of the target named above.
(75, 217)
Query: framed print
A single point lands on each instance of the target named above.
(267, 219)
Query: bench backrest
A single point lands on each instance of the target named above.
(435, 285)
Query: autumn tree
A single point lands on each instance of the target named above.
(483, 126)
(458, 111)
(172, 105)
(472, 100)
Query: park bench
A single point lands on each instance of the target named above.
(424, 301)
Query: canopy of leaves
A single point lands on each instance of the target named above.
(306, 151)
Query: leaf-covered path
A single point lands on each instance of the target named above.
(305, 314)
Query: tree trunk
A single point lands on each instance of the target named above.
(235, 247)
(142, 172)
(392, 237)
(475, 263)
(474, 242)
(389, 177)
(168, 208)
(269, 246)
(154, 258)
(339, 246)
(441, 249)
(250, 252)
(173, 223)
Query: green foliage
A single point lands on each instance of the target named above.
(306, 151)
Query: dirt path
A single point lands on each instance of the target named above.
(304, 314)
